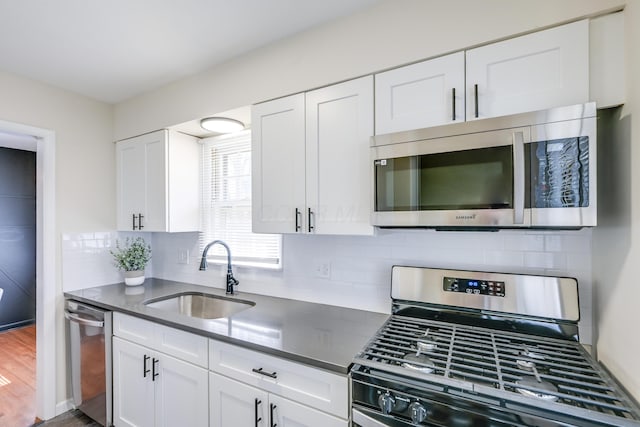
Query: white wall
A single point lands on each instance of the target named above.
(85, 167)
(617, 240)
(389, 34)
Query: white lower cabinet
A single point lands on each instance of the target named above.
(160, 375)
(236, 404)
(154, 389)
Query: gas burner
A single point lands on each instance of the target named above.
(419, 362)
(536, 383)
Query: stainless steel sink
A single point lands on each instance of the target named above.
(196, 304)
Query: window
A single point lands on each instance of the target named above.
(226, 204)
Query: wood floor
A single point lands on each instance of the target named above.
(18, 377)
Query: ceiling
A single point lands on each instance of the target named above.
(112, 50)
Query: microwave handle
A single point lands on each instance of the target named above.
(518, 177)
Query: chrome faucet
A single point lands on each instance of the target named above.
(231, 281)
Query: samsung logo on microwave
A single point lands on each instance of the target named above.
(466, 217)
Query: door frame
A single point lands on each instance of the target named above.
(43, 141)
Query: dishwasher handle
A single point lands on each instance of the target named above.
(73, 317)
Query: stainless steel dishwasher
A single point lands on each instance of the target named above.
(90, 330)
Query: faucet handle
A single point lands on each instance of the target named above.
(231, 282)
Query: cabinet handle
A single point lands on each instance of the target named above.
(145, 371)
(475, 91)
(140, 226)
(135, 227)
(272, 408)
(309, 214)
(257, 403)
(453, 104)
(298, 227)
(154, 374)
(266, 374)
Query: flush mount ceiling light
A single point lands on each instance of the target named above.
(221, 124)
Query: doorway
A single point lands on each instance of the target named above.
(17, 285)
(17, 238)
(42, 142)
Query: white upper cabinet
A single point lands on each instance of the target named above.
(339, 125)
(420, 95)
(158, 182)
(277, 161)
(310, 161)
(540, 70)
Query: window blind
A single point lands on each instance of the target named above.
(226, 204)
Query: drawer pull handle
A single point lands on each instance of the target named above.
(266, 374)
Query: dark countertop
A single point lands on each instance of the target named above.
(320, 335)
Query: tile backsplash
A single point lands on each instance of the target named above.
(350, 271)
(87, 262)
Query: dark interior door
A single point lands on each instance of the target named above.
(17, 237)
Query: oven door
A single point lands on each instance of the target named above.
(475, 180)
(362, 417)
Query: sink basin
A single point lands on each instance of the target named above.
(196, 304)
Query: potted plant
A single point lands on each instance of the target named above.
(132, 258)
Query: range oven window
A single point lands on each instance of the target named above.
(468, 179)
(559, 173)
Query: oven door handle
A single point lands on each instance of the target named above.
(365, 420)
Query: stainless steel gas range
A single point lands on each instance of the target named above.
(466, 348)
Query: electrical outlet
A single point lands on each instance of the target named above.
(323, 269)
(183, 256)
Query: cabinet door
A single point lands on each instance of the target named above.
(133, 390)
(156, 178)
(339, 126)
(425, 94)
(182, 393)
(286, 413)
(277, 185)
(541, 70)
(130, 183)
(233, 403)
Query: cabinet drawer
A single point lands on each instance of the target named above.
(174, 342)
(134, 329)
(314, 387)
(183, 345)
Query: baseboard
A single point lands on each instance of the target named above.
(64, 406)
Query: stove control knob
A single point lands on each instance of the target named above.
(418, 413)
(386, 402)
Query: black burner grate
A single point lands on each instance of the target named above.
(486, 360)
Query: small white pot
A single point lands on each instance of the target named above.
(134, 278)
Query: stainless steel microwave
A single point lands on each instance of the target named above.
(534, 169)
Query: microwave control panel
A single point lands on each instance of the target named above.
(474, 287)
